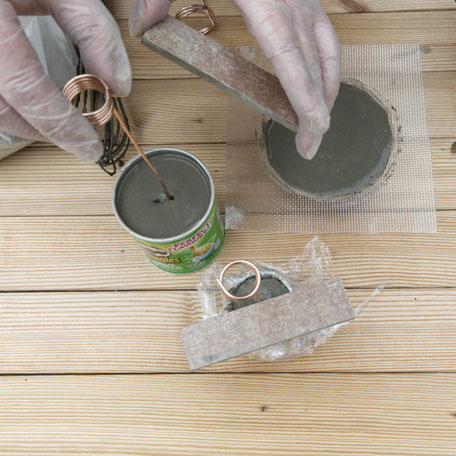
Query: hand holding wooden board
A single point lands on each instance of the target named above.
(225, 69)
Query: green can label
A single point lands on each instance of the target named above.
(192, 253)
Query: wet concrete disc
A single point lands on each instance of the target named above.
(353, 153)
(270, 287)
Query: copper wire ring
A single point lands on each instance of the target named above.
(203, 9)
(86, 82)
(253, 293)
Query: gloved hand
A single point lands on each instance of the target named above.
(31, 106)
(299, 40)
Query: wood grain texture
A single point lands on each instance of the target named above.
(48, 181)
(122, 332)
(95, 253)
(438, 56)
(121, 8)
(256, 414)
(222, 67)
(194, 111)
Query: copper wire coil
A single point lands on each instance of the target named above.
(203, 9)
(86, 82)
(101, 116)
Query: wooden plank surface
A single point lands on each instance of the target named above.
(121, 8)
(436, 33)
(122, 332)
(194, 111)
(256, 414)
(48, 181)
(384, 385)
(95, 253)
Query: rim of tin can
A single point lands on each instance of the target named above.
(194, 227)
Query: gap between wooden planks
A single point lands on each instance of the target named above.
(95, 253)
(121, 9)
(122, 332)
(59, 184)
(256, 414)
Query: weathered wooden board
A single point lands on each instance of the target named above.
(121, 8)
(95, 253)
(48, 181)
(122, 332)
(222, 67)
(256, 414)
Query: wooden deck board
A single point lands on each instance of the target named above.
(255, 414)
(436, 32)
(122, 332)
(95, 253)
(222, 8)
(193, 111)
(59, 184)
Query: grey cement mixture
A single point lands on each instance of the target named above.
(145, 209)
(270, 287)
(353, 153)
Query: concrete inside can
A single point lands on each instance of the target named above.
(145, 209)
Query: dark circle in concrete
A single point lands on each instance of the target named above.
(270, 287)
(353, 153)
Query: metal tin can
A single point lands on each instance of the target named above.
(195, 248)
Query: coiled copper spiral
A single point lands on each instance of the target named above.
(203, 9)
(98, 118)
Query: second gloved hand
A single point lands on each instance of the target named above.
(299, 40)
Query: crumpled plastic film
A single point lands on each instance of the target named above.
(58, 58)
(402, 200)
(314, 264)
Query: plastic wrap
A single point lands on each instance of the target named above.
(58, 58)
(314, 264)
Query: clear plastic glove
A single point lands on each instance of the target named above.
(299, 40)
(31, 105)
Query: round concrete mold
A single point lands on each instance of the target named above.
(356, 154)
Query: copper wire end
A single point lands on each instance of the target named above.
(98, 118)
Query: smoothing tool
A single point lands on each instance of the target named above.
(225, 69)
(311, 306)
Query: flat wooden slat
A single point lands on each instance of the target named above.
(257, 414)
(48, 181)
(117, 332)
(194, 111)
(428, 27)
(95, 253)
(438, 40)
(150, 65)
(121, 8)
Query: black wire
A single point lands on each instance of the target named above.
(114, 139)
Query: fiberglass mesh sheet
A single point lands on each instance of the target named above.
(404, 202)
